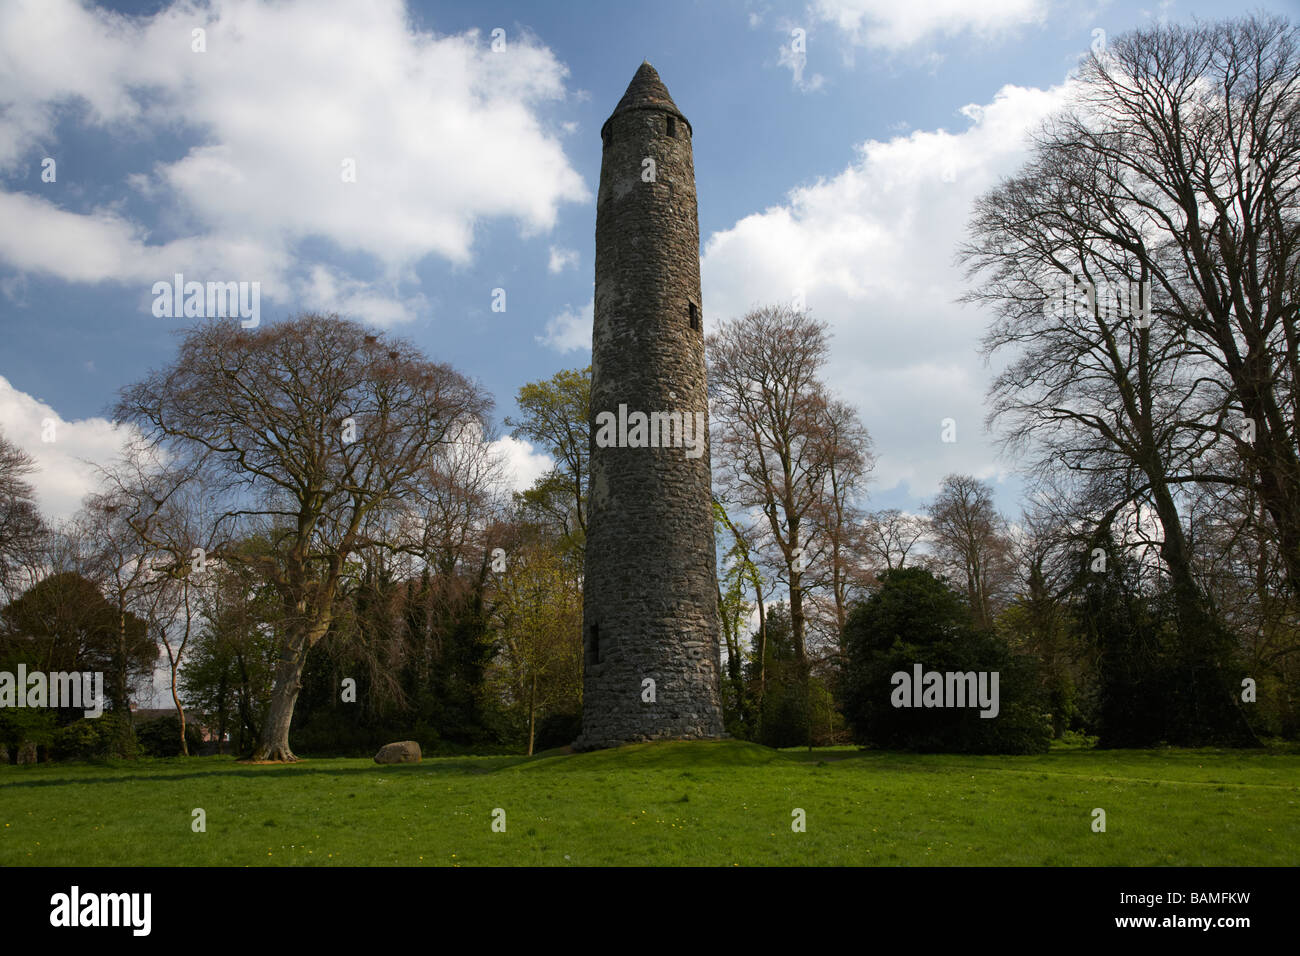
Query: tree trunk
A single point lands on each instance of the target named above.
(247, 726)
(840, 586)
(221, 713)
(175, 661)
(730, 633)
(532, 721)
(1280, 500)
(123, 732)
(1175, 553)
(800, 648)
(310, 627)
(180, 711)
(1201, 640)
(762, 660)
(273, 742)
(797, 618)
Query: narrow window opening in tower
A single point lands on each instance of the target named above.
(593, 649)
(672, 127)
(695, 317)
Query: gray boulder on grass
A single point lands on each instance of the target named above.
(404, 751)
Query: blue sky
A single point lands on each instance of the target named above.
(846, 176)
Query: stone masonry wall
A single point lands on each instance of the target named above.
(650, 590)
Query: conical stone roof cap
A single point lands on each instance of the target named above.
(647, 92)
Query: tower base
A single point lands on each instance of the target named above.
(586, 743)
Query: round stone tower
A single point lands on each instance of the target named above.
(650, 593)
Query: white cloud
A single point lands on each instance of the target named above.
(103, 245)
(870, 250)
(326, 290)
(562, 259)
(521, 464)
(793, 54)
(65, 466)
(797, 62)
(443, 132)
(892, 24)
(570, 331)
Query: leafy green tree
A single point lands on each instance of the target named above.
(737, 572)
(916, 618)
(555, 414)
(538, 616)
(1150, 691)
(449, 647)
(226, 677)
(161, 737)
(784, 712)
(1038, 620)
(64, 623)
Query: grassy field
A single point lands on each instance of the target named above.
(724, 803)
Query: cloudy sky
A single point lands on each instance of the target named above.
(844, 172)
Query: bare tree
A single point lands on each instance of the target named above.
(145, 528)
(1107, 389)
(127, 570)
(888, 537)
(459, 501)
(308, 430)
(21, 527)
(174, 611)
(770, 413)
(837, 569)
(971, 542)
(1177, 164)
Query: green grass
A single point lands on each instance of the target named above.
(723, 803)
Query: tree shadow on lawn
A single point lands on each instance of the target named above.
(722, 754)
(1135, 765)
(124, 773)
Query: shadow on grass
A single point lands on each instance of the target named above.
(685, 756)
(658, 755)
(125, 772)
